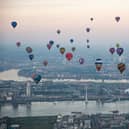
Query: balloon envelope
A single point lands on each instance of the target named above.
(18, 44)
(112, 50)
(57, 45)
(117, 19)
(88, 29)
(73, 49)
(45, 63)
(31, 57)
(71, 40)
(121, 67)
(28, 49)
(98, 64)
(81, 60)
(69, 56)
(58, 31)
(49, 46)
(14, 24)
(51, 42)
(36, 78)
(119, 51)
(62, 50)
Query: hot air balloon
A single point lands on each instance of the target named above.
(49, 46)
(73, 49)
(117, 45)
(57, 45)
(69, 56)
(62, 50)
(98, 64)
(88, 46)
(14, 24)
(81, 60)
(58, 31)
(121, 67)
(71, 40)
(87, 40)
(45, 63)
(91, 18)
(87, 29)
(117, 19)
(112, 50)
(31, 56)
(36, 78)
(28, 49)
(51, 42)
(119, 51)
(18, 44)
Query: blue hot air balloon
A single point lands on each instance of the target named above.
(14, 24)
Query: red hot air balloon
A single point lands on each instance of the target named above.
(117, 19)
(112, 50)
(69, 56)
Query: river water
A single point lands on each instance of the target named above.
(64, 107)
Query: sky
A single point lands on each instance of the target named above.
(38, 21)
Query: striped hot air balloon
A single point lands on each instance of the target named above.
(98, 64)
(121, 67)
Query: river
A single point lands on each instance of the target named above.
(64, 107)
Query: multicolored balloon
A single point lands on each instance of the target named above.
(81, 60)
(69, 56)
(29, 49)
(119, 51)
(117, 18)
(112, 50)
(14, 24)
(121, 67)
(98, 64)
(36, 78)
(62, 50)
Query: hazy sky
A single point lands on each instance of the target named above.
(38, 21)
